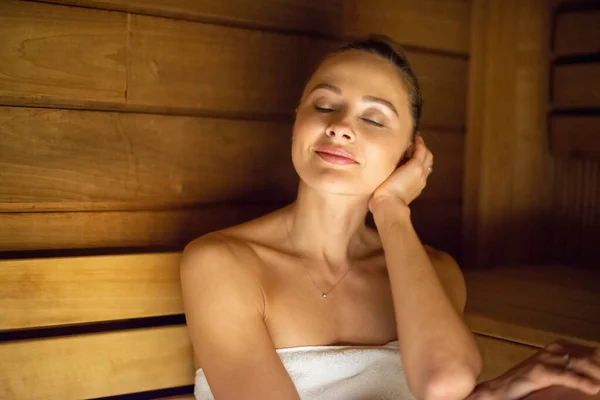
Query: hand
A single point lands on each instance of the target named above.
(538, 376)
(408, 181)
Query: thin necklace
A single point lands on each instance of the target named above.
(323, 294)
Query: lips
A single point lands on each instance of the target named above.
(335, 155)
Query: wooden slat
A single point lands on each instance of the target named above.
(438, 223)
(40, 292)
(56, 291)
(81, 230)
(446, 182)
(508, 179)
(434, 24)
(196, 66)
(577, 33)
(180, 66)
(500, 355)
(96, 365)
(443, 82)
(61, 54)
(534, 304)
(576, 85)
(76, 160)
(575, 136)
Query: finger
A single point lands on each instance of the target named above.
(549, 375)
(428, 162)
(588, 365)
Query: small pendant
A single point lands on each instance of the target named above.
(324, 295)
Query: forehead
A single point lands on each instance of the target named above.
(361, 73)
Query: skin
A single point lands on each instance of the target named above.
(256, 287)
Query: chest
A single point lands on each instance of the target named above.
(359, 310)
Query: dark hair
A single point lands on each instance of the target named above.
(387, 48)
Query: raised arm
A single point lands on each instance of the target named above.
(439, 352)
(224, 307)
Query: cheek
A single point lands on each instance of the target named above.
(307, 127)
(383, 156)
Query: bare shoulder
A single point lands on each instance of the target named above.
(222, 265)
(450, 275)
(235, 243)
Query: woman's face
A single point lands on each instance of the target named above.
(355, 102)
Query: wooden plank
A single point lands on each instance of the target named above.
(41, 292)
(508, 186)
(500, 355)
(187, 67)
(444, 86)
(577, 33)
(77, 160)
(534, 305)
(56, 54)
(446, 182)
(195, 66)
(97, 365)
(576, 85)
(81, 230)
(74, 160)
(575, 136)
(432, 24)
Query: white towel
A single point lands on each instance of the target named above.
(339, 372)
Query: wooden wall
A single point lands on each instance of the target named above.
(575, 132)
(145, 123)
(508, 167)
(135, 126)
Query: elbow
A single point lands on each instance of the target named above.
(453, 385)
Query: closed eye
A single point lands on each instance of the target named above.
(374, 123)
(324, 110)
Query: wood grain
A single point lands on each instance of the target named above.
(40, 292)
(534, 304)
(576, 85)
(75, 160)
(196, 66)
(431, 24)
(500, 355)
(97, 365)
(61, 54)
(577, 33)
(57, 159)
(150, 64)
(508, 181)
(81, 230)
(55, 291)
(576, 146)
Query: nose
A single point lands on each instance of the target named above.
(340, 129)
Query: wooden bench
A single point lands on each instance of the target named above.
(89, 327)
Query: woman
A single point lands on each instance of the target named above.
(313, 276)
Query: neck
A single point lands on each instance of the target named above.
(327, 227)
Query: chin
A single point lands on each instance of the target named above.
(334, 181)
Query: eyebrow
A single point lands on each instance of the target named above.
(373, 99)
